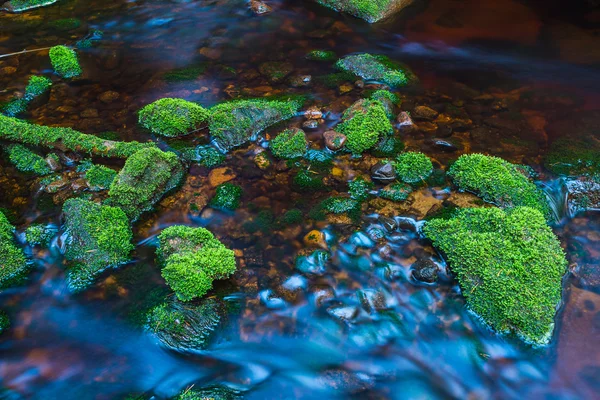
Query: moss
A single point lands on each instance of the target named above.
(100, 177)
(498, 182)
(37, 86)
(413, 167)
(211, 392)
(172, 117)
(146, 177)
(13, 129)
(321, 55)
(98, 237)
(22, 5)
(308, 181)
(39, 235)
(14, 107)
(318, 159)
(340, 205)
(185, 74)
(376, 68)
(509, 265)
(263, 222)
(359, 189)
(292, 217)
(14, 263)
(396, 192)
(65, 24)
(64, 61)
(4, 322)
(289, 144)
(234, 123)
(388, 146)
(335, 80)
(89, 40)
(385, 95)
(574, 156)
(227, 197)
(208, 156)
(26, 160)
(369, 10)
(364, 123)
(193, 259)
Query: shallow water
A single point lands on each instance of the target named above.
(363, 328)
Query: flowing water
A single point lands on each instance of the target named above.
(361, 327)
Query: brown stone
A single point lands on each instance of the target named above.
(219, 176)
(334, 140)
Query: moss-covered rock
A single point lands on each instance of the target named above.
(509, 265)
(24, 5)
(37, 86)
(98, 238)
(227, 197)
(208, 156)
(26, 160)
(498, 182)
(65, 62)
(359, 189)
(146, 177)
(574, 156)
(193, 258)
(289, 144)
(211, 392)
(100, 177)
(172, 117)
(364, 123)
(234, 123)
(14, 264)
(396, 192)
(413, 167)
(39, 234)
(321, 55)
(369, 10)
(376, 68)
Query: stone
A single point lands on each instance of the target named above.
(424, 113)
(334, 140)
(315, 238)
(383, 172)
(310, 124)
(276, 71)
(583, 194)
(405, 123)
(425, 271)
(260, 7)
(218, 176)
(108, 96)
(376, 11)
(313, 113)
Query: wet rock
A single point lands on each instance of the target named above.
(20, 6)
(388, 223)
(583, 194)
(334, 140)
(314, 263)
(447, 146)
(310, 124)
(377, 68)
(218, 176)
(210, 392)
(108, 96)
(428, 128)
(262, 160)
(405, 123)
(313, 113)
(89, 113)
(259, 7)
(300, 80)
(425, 271)
(343, 313)
(276, 71)
(372, 300)
(383, 172)
(343, 381)
(424, 113)
(315, 238)
(376, 12)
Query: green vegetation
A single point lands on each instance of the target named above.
(388, 146)
(509, 265)
(39, 235)
(387, 99)
(340, 205)
(318, 159)
(498, 182)
(574, 156)
(359, 189)
(26, 160)
(65, 24)
(37, 86)
(16, 130)
(172, 117)
(234, 123)
(364, 123)
(289, 144)
(14, 265)
(98, 237)
(208, 156)
(185, 74)
(100, 177)
(64, 61)
(376, 68)
(88, 41)
(193, 258)
(4, 322)
(212, 393)
(413, 167)
(146, 177)
(369, 10)
(321, 55)
(227, 197)
(14, 107)
(292, 217)
(334, 80)
(22, 5)
(308, 181)
(396, 192)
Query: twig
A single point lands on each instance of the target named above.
(23, 52)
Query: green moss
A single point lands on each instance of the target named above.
(234, 123)
(289, 144)
(100, 177)
(385, 95)
(37, 86)
(308, 181)
(335, 80)
(388, 146)
(39, 235)
(263, 222)
(14, 107)
(574, 156)
(98, 237)
(162, 318)
(26, 160)
(14, 264)
(359, 189)
(509, 265)
(369, 10)
(4, 322)
(13, 129)
(208, 156)
(413, 167)
(292, 217)
(321, 55)
(376, 68)
(22, 5)
(364, 123)
(212, 393)
(172, 117)
(318, 159)
(340, 205)
(396, 192)
(65, 24)
(64, 61)
(227, 197)
(498, 182)
(193, 258)
(184, 74)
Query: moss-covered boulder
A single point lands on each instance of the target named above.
(413, 167)
(37, 86)
(211, 392)
(192, 259)
(376, 68)
(186, 326)
(570, 156)
(227, 197)
(364, 123)
(98, 237)
(99, 177)
(25, 160)
(39, 234)
(146, 177)
(289, 144)
(498, 182)
(234, 123)
(14, 264)
(24, 5)
(172, 117)
(369, 10)
(509, 265)
(65, 62)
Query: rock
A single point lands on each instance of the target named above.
(583, 194)
(89, 113)
(376, 10)
(259, 7)
(376, 68)
(108, 96)
(428, 128)
(300, 80)
(447, 146)
(276, 71)
(334, 140)
(262, 161)
(424, 113)
(210, 392)
(405, 123)
(313, 113)
(383, 172)
(20, 5)
(315, 238)
(425, 271)
(310, 124)
(218, 176)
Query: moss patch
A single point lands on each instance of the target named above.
(26, 160)
(574, 156)
(364, 123)
(14, 265)
(227, 197)
(65, 62)
(289, 144)
(376, 68)
(413, 167)
(100, 177)
(172, 117)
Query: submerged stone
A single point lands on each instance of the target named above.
(146, 177)
(211, 392)
(289, 144)
(65, 62)
(376, 68)
(24, 5)
(234, 123)
(509, 265)
(98, 238)
(369, 10)
(14, 264)
(583, 194)
(364, 123)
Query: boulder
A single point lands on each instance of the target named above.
(369, 10)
